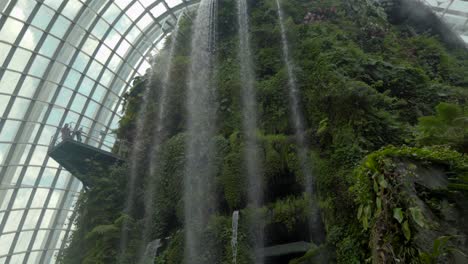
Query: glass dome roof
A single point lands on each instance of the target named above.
(69, 61)
(63, 62)
(454, 12)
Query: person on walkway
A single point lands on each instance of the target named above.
(78, 134)
(65, 132)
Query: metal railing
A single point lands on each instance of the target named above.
(83, 134)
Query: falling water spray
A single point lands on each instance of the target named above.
(158, 138)
(135, 157)
(249, 124)
(199, 173)
(298, 123)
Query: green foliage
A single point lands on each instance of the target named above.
(448, 127)
(363, 85)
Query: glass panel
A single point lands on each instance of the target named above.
(56, 198)
(23, 241)
(5, 48)
(71, 9)
(32, 218)
(29, 178)
(90, 46)
(86, 86)
(23, 9)
(100, 29)
(53, 4)
(39, 66)
(40, 239)
(19, 108)
(123, 48)
(47, 178)
(158, 10)
(63, 97)
(62, 180)
(16, 171)
(29, 86)
(99, 93)
(78, 103)
(47, 133)
(7, 196)
(66, 53)
(112, 39)
(146, 3)
(133, 34)
(4, 99)
(47, 219)
(123, 24)
(22, 198)
(47, 92)
(135, 10)
(114, 62)
(91, 110)
(18, 258)
(13, 221)
(55, 116)
(31, 38)
(103, 54)
(31, 132)
(9, 81)
(9, 133)
(34, 257)
(40, 197)
(81, 61)
(94, 70)
(43, 17)
(39, 111)
(10, 30)
(20, 59)
(122, 3)
(25, 154)
(72, 80)
(50, 45)
(39, 155)
(6, 240)
(4, 149)
(111, 13)
(144, 22)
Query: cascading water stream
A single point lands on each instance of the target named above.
(235, 228)
(298, 122)
(135, 158)
(199, 173)
(158, 138)
(249, 124)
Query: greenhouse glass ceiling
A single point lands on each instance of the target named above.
(69, 62)
(63, 61)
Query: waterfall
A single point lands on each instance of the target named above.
(158, 136)
(199, 173)
(136, 154)
(235, 227)
(249, 123)
(151, 252)
(298, 122)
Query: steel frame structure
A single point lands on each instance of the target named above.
(100, 46)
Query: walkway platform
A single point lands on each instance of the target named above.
(286, 249)
(81, 159)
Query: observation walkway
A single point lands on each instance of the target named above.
(84, 155)
(283, 253)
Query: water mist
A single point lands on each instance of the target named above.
(199, 173)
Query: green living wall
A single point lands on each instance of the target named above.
(385, 103)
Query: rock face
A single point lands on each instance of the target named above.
(438, 215)
(445, 211)
(421, 19)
